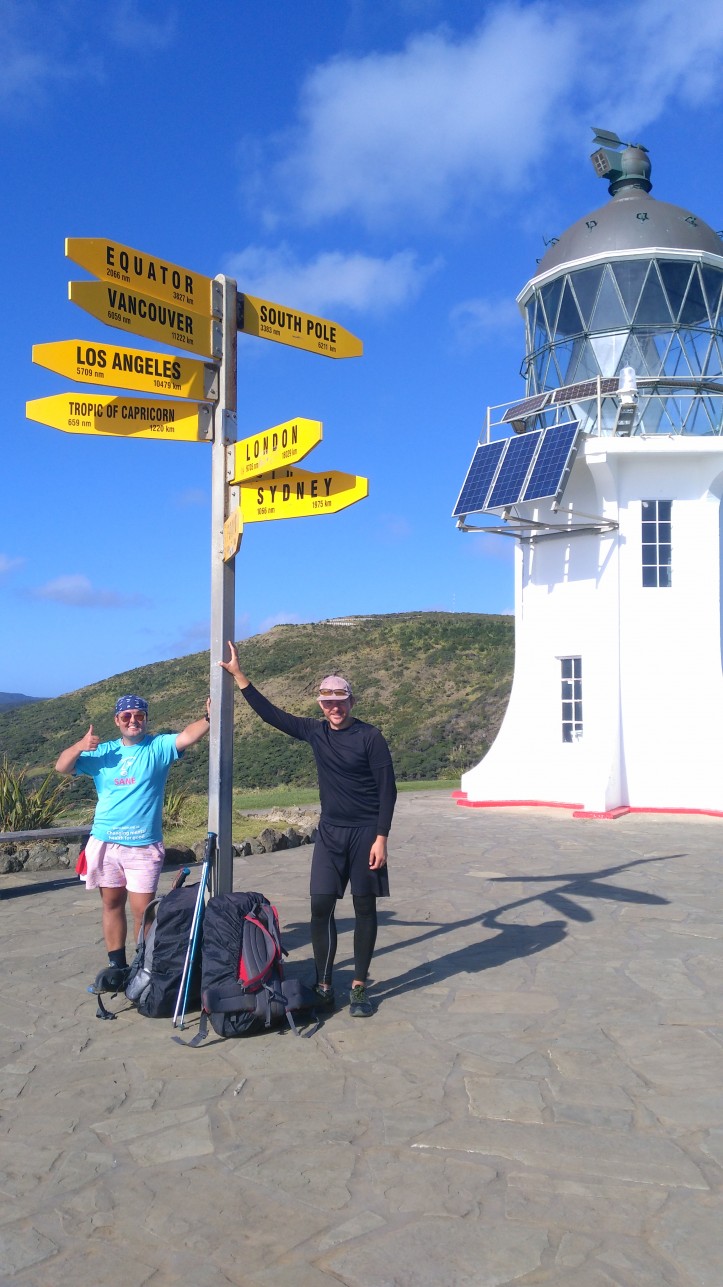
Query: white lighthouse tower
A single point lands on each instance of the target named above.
(609, 476)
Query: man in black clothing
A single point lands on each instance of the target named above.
(357, 791)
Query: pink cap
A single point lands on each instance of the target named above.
(334, 686)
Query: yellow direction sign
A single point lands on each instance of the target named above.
(123, 417)
(143, 315)
(280, 446)
(232, 529)
(139, 271)
(121, 368)
(300, 330)
(299, 493)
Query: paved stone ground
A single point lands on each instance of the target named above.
(536, 1101)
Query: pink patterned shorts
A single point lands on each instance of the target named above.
(136, 868)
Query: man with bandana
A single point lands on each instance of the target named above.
(125, 850)
(357, 792)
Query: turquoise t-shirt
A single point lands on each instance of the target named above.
(130, 781)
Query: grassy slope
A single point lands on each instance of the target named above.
(436, 684)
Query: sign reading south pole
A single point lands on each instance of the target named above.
(121, 368)
(291, 326)
(299, 493)
(162, 420)
(139, 314)
(135, 270)
(275, 447)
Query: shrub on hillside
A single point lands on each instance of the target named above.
(25, 807)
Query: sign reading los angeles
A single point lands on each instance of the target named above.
(144, 315)
(299, 493)
(276, 447)
(136, 270)
(123, 417)
(122, 368)
(300, 330)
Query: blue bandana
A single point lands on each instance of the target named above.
(131, 703)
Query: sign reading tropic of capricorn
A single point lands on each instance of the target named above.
(123, 417)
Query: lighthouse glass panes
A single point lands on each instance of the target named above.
(656, 543)
(571, 682)
(661, 316)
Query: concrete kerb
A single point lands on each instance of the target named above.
(536, 1100)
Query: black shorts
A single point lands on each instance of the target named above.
(341, 856)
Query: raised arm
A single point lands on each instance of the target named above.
(193, 733)
(67, 760)
(234, 669)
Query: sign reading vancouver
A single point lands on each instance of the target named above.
(144, 315)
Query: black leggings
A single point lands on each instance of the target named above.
(323, 934)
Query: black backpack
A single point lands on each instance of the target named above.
(156, 971)
(243, 989)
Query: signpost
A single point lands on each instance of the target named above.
(123, 417)
(299, 493)
(300, 330)
(252, 481)
(273, 448)
(122, 368)
(128, 310)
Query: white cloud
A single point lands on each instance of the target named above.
(8, 564)
(332, 280)
(477, 320)
(452, 123)
(135, 30)
(77, 591)
(192, 497)
(418, 131)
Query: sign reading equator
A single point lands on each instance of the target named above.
(280, 446)
(299, 330)
(121, 368)
(299, 493)
(130, 311)
(159, 419)
(136, 270)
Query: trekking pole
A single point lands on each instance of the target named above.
(195, 926)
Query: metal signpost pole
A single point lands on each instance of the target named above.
(223, 605)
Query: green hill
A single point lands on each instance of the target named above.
(436, 683)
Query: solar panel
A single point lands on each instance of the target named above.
(526, 407)
(479, 478)
(552, 462)
(586, 389)
(513, 470)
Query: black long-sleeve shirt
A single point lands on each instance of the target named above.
(356, 775)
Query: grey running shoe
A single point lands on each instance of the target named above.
(112, 978)
(324, 996)
(360, 1007)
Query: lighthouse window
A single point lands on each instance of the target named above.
(656, 543)
(571, 682)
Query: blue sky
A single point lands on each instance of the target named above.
(395, 167)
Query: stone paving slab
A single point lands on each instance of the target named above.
(538, 1099)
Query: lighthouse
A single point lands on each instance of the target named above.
(608, 475)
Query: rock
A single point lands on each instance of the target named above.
(270, 839)
(293, 838)
(44, 857)
(11, 859)
(182, 857)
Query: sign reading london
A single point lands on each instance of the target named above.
(111, 261)
(123, 417)
(300, 330)
(299, 493)
(275, 447)
(144, 315)
(122, 368)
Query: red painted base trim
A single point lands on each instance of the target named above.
(610, 815)
(461, 798)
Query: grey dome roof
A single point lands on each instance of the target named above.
(631, 220)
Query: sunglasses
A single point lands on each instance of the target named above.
(128, 716)
(333, 692)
